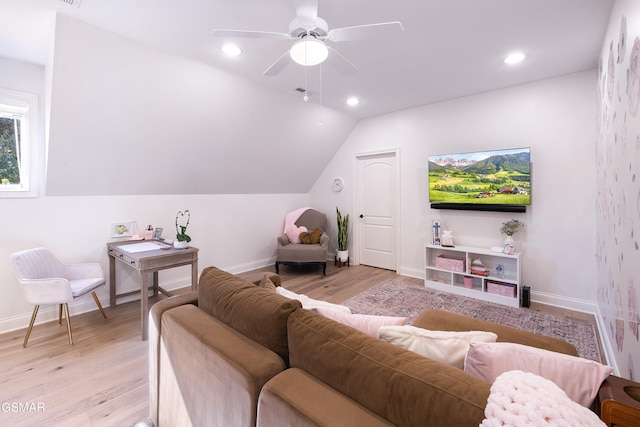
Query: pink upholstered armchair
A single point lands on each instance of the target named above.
(45, 280)
(290, 253)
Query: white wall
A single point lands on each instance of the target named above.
(236, 232)
(233, 232)
(555, 118)
(130, 119)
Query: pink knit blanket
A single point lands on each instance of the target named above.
(523, 399)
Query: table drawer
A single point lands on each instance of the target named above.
(162, 262)
(124, 258)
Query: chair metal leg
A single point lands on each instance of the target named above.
(33, 319)
(95, 298)
(60, 315)
(66, 314)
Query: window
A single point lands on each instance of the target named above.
(18, 112)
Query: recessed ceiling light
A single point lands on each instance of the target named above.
(514, 58)
(231, 50)
(353, 101)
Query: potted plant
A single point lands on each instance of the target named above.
(182, 238)
(343, 236)
(510, 228)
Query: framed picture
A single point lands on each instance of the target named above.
(123, 229)
(157, 233)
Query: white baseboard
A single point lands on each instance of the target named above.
(606, 344)
(248, 266)
(411, 272)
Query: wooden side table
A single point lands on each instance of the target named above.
(147, 263)
(619, 402)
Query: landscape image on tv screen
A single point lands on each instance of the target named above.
(500, 177)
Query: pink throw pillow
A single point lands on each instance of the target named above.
(362, 322)
(293, 233)
(579, 378)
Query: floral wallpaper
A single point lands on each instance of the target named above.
(618, 186)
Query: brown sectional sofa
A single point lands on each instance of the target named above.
(234, 354)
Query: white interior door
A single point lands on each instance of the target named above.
(377, 210)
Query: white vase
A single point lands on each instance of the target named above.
(343, 256)
(509, 246)
(180, 245)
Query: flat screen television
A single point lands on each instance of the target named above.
(498, 180)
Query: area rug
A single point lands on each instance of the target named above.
(397, 298)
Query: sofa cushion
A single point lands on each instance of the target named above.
(267, 284)
(384, 378)
(362, 322)
(444, 346)
(310, 303)
(439, 320)
(579, 378)
(257, 313)
(291, 399)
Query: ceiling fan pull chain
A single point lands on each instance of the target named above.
(305, 98)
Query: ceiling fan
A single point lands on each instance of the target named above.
(309, 33)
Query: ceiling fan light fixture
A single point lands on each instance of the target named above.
(309, 51)
(514, 58)
(353, 101)
(231, 49)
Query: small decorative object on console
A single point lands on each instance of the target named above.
(435, 227)
(510, 228)
(447, 238)
(478, 268)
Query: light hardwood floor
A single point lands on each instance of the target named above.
(102, 380)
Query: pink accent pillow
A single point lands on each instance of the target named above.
(293, 233)
(579, 378)
(362, 322)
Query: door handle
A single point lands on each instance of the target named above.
(361, 216)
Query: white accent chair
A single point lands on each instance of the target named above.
(45, 280)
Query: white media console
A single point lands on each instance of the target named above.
(449, 269)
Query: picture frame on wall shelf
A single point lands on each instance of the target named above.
(123, 229)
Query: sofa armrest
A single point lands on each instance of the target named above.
(283, 240)
(324, 239)
(155, 319)
(620, 402)
(210, 374)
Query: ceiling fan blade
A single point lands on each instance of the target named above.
(307, 11)
(363, 32)
(279, 65)
(340, 63)
(251, 34)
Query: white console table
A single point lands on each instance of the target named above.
(504, 273)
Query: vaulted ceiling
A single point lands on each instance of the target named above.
(448, 49)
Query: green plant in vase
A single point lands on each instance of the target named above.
(510, 228)
(182, 238)
(343, 235)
